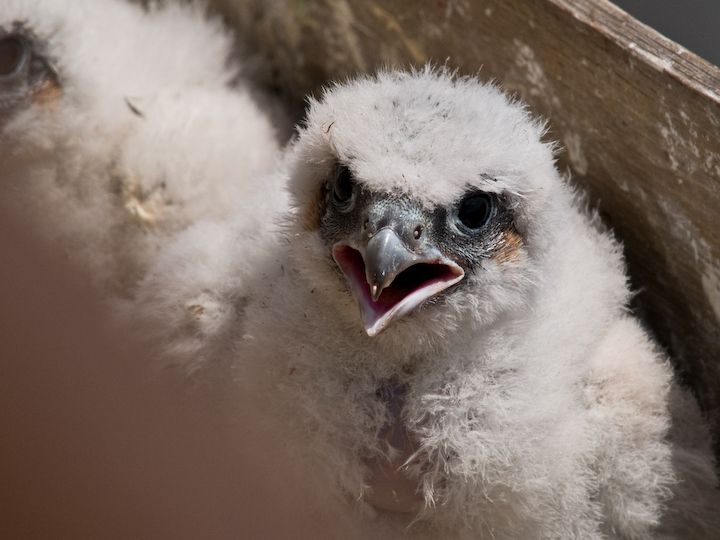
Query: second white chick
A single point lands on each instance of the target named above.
(120, 126)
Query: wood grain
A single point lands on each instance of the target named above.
(639, 117)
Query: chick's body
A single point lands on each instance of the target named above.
(522, 401)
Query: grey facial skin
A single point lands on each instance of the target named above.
(368, 212)
(397, 255)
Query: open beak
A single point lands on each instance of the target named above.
(389, 280)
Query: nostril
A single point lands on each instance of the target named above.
(417, 233)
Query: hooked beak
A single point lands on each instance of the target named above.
(389, 280)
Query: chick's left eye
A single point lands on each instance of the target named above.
(343, 186)
(12, 55)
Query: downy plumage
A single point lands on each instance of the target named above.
(437, 330)
(120, 126)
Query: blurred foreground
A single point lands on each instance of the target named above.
(94, 446)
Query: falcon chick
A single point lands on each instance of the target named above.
(120, 126)
(441, 335)
(447, 336)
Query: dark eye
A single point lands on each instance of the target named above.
(343, 187)
(475, 210)
(13, 54)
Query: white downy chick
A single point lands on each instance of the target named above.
(448, 338)
(120, 126)
(491, 385)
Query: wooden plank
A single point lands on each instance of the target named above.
(639, 117)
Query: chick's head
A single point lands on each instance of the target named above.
(423, 199)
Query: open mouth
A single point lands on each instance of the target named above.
(409, 288)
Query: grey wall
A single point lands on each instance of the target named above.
(695, 24)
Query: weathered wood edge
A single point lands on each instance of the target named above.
(646, 44)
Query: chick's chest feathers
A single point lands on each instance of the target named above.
(468, 413)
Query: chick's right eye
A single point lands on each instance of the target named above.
(343, 186)
(12, 55)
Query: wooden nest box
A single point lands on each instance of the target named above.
(638, 115)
